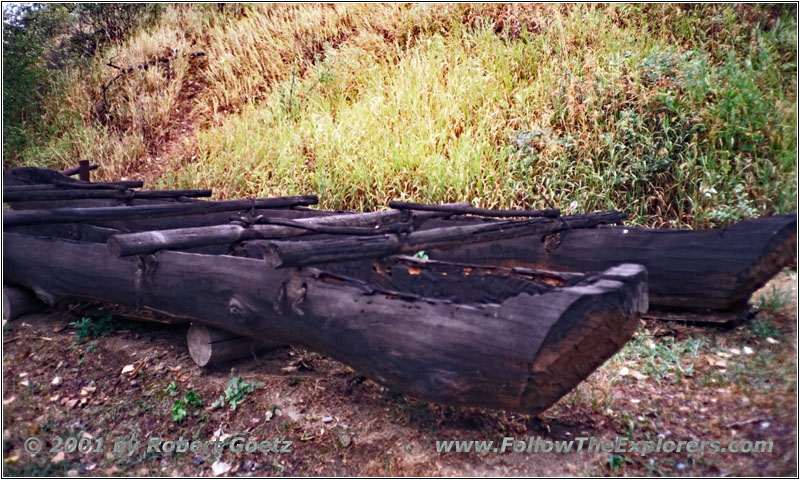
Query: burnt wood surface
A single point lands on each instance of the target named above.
(520, 353)
(291, 254)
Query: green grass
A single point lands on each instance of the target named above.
(677, 115)
(664, 359)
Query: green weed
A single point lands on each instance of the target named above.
(182, 406)
(236, 392)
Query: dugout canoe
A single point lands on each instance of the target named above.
(714, 270)
(527, 338)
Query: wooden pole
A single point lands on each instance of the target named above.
(78, 194)
(73, 185)
(146, 242)
(73, 215)
(75, 170)
(281, 254)
(83, 170)
(470, 210)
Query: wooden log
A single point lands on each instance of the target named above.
(18, 302)
(73, 185)
(72, 194)
(520, 353)
(76, 170)
(688, 269)
(73, 215)
(151, 241)
(209, 346)
(300, 253)
(39, 177)
(470, 210)
(201, 219)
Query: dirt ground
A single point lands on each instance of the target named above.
(672, 381)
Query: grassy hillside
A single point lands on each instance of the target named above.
(678, 115)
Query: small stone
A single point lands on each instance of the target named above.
(72, 473)
(25, 382)
(58, 457)
(220, 468)
(772, 341)
(327, 419)
(764, 425)
(747, 350)
(680, 466)
(56, 381)
(9, 400)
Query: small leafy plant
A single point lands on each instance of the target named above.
(172, 389)
(94, 326)
(421, 255)
(181, 407)
(235, 393)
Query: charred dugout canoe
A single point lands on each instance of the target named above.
(525, 341)
(703, 271)
(688, 270)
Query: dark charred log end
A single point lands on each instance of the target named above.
(780, 252)
(562, 366)
(595, 327)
